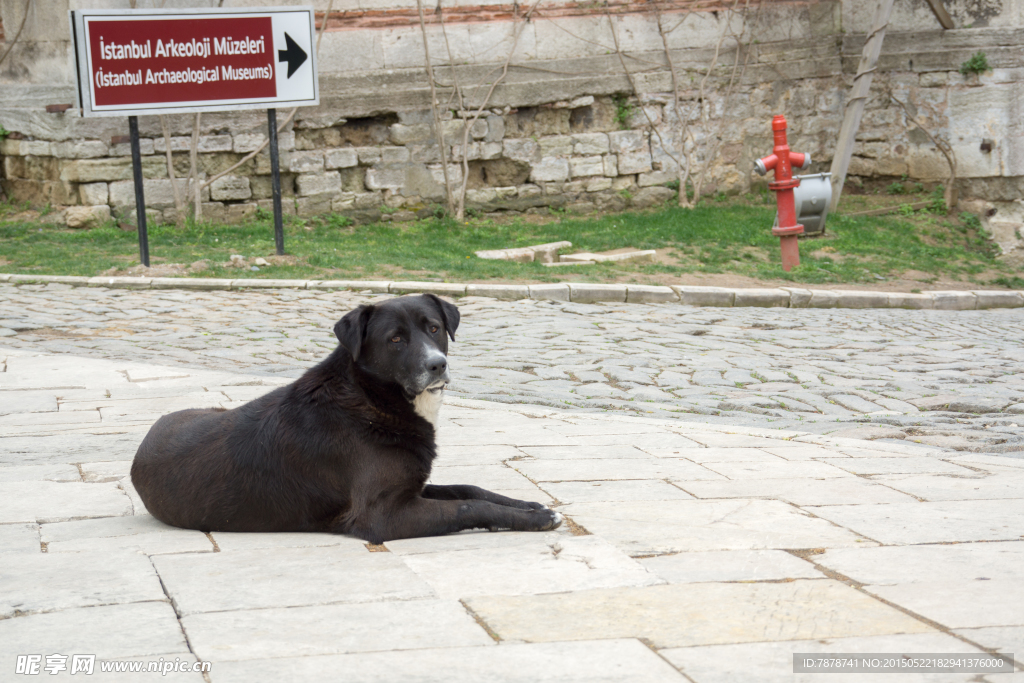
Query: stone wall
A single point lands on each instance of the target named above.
(565, 127)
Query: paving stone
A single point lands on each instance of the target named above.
(142, 533)
(609, 491)
(45, 583)
(603, 661)
(800, 491)
(899, 465)
(653, 527)
(19, 538)
(1005, 639)
(332, 629)
(938, 522)
(114, 470)
(957, 487)
(855, 403)
(681, 615)
(228, 541)
(39, 473)
(778, 469)
(613, 468)
(730, 565)
(246, 579)
(568, 564)
(772, 662)
(47, 501)
(960, 586)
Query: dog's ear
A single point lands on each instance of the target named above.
(449, 314)
(351, 329)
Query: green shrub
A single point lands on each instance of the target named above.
(975, 65)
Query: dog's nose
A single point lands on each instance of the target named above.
(437, 365)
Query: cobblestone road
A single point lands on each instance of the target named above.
(953, 379)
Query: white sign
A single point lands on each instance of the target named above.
(134, 62)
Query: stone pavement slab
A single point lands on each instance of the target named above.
(690, 530)
(681, 615)
(287, 577)
(653, 527)
(601, 661)
(332, 629)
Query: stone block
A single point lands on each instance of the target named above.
(318, 184)
(495, 129)
(798, 298)
(611, 168)
(402, 134)
(623, 141)
(344, 157)
(441, 288)
(254, 579)
(314, 205)
(332, 629)
(656, 178)
(907, 300)
(521, 149)
(92, 194)
(373, 286)
(306, 162)
(207, 283)
(555, 292)
(86, 216)
(821, 298)
(678, 616)
(137, 632)
(954, 301)
(124, 149)
(634, 162)
(385, 177)
(140, 533)
(587, 166)
(214, 143)
(555, 146)
(647, 197)
(243, 143)
(368, 155)
(230, 188)
(45, 583)
(763, 298)
(650, 294)
(589, 293)
(80, 149)
(996, 299)
(159, 193)
(599, 184)
(505, 292)
(854, 299)
(394, 155)
(44, 501)
(490, 150)
(705, 296)
(590, 143)
(551, 170)
(96, 170)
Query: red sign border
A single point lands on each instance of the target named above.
(83, 70)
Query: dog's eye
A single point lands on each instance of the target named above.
(396, 339)
(433, 329)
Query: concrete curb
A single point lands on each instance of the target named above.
(783, 297)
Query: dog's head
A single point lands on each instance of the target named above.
(402, 340)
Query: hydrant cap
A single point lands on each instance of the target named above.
(779, 122)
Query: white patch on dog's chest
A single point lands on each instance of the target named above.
(428, 405)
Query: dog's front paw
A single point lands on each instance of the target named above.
(549, 519)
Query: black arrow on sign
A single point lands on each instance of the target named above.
(294, 55)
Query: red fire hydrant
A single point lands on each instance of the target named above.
(782, 161)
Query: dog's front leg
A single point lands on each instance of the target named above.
(429, 517)
(467, 492)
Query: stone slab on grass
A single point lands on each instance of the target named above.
(286, 577)
(332, 629)
(681, 615)
(45, 583)
(48, 501)
(653, 527)
(107, 631)
(537, 565)
(939, 522)
(772, 662)
(730, 565)
(604, 661)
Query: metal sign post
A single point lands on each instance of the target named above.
(136, 62)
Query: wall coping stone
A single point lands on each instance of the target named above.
(791, 297)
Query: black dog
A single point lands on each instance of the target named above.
(347, 448)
